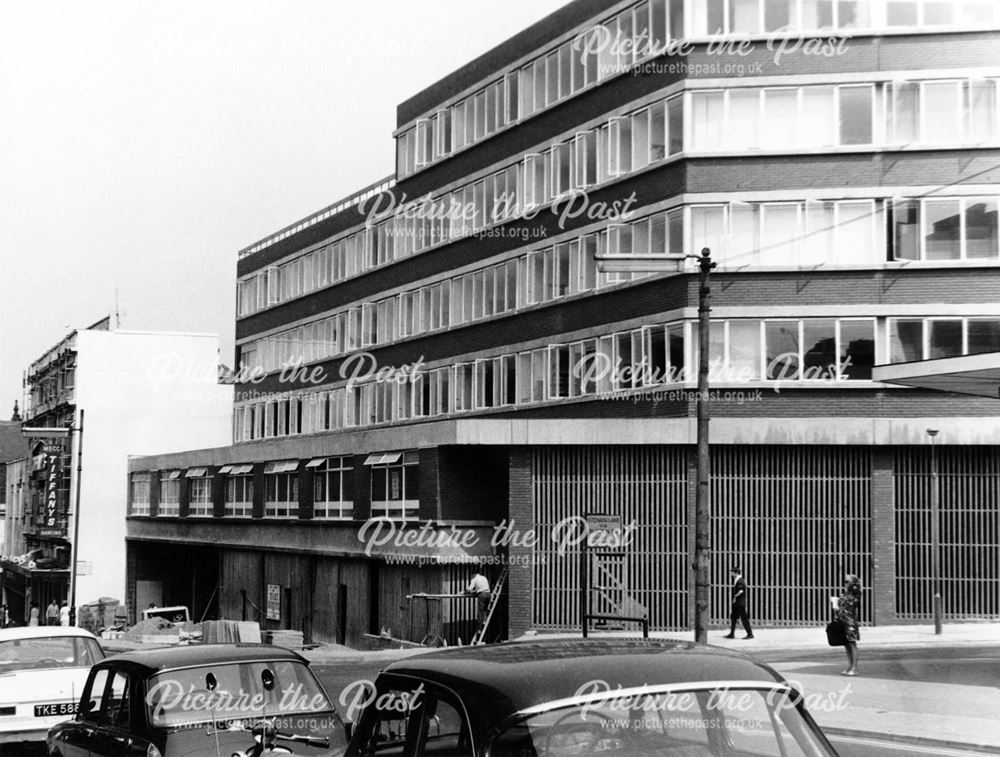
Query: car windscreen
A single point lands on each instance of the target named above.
(729, 721)
(233, 691)
(46, 652)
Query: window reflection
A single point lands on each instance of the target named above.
(781, 350)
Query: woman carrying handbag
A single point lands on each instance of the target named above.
(845, 613)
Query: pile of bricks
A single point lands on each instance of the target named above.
(96, 616)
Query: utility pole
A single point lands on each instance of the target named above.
(75, 546)
(701, 518)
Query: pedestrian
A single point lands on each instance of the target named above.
(479, 586)
(739, 607)
(33, 615)
(846, 608)
(64, 614)
(52, 614)
(4, 616)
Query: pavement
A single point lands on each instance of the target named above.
(914, 712)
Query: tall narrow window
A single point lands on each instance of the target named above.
(675, 125)
(942, 229)
(981, 228)
(905, 112)
(942, 110)
(707, 120)
(856, 115)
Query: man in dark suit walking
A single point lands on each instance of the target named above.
(739, 608)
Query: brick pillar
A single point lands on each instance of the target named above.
(154, 492)
(258, 490)
(130, 579)
(521, 518)
(883, 568)
(306, 492)
(429, 484)
(362, 489)
(185, 495)
(218, 493)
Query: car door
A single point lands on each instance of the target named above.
(115, 735)
(76, 736)
(412, 718)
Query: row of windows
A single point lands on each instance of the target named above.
(394, 489)
(594, 55)
(613, 46)
(931, 338)
(810, 117)
(848, 231)
(333, 487)
(535, 277)
(952, 112)
(804, 233)
(805, 351)
(760, 16)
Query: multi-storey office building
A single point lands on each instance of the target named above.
(443, 348)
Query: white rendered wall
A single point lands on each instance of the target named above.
(143, 394)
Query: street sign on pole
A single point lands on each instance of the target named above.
(46, 432)
(640, 263)
(675, 264)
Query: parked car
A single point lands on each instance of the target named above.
(203, 699)
(584, 697)
(42, 673)
(174, 613)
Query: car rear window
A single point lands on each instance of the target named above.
(234, 691)
(667, 724)
(47, 652)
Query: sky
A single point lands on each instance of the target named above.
(143, 143)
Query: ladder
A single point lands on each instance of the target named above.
(480, 635)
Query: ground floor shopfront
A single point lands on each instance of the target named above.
(794, 516)
(21, 586)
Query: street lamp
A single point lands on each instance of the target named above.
(935, 533)
(675, 264)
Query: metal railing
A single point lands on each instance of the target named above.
(321, 215)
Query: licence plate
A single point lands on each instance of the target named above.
(57, 708)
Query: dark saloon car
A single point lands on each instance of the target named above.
(203, 699)
(613, 698)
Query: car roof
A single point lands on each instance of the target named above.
(44, 632)
(195, 655)
(500, 680)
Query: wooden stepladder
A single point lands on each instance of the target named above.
(480, 635)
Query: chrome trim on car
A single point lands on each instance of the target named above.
(666, 688)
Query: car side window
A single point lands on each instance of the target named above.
(93, 698)
(443, 730)
(115, 709)
(388, 735)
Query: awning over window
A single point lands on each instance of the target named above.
(970, 374)
(316, 462)
(281, 466)
(226, 469)
(383, 458)
(171, 474)
(241, 470)
(195, 472)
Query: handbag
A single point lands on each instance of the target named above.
(836, 633)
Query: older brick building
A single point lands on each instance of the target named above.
(840, 160)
